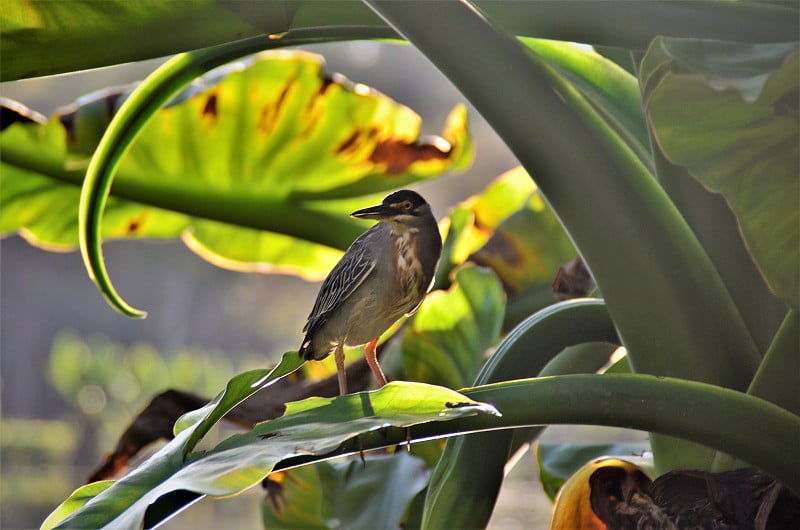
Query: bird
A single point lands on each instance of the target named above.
(384, 275)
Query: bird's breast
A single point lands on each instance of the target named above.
(411, 279)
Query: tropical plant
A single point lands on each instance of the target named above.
(670, 160)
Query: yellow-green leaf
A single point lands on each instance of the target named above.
(238, 164)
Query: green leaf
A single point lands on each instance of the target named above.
(717, 229)
(75, 502)
(527, 248)
(133, 31)
(129, 31)
(315, 426)
(509, 228)
(721, 418)
(265, 148)
(237, 390)
(728, 113)
(230, 147)
(557, 462)
(450, 333)
(347, 494)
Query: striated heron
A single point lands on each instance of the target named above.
(384, 275)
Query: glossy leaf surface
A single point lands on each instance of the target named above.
(315, 426)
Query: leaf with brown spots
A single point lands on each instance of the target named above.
(244, 165)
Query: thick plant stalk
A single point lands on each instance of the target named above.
(671, 308)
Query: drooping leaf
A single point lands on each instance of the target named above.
(314, 426)
(233, 159)
(346, 494)
(450, 333)
(729, 114)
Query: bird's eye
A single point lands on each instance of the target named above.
(406, 205)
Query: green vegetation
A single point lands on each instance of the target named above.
(670, 162)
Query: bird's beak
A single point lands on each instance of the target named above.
(378, 212)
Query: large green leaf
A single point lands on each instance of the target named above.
(448, 337)
(315, 426)
(347, 494)
(717, 229)
(42, 38)
(262, 139)
(728, 113)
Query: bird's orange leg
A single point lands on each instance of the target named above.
(338, 355)
(372, 360)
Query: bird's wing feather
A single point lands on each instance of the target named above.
(342, 281)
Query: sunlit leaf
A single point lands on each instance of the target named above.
(728, 113)
(449, 335)
(76, 501)
(527, 248)
(238, 161)
(237, 390)
(311, 427)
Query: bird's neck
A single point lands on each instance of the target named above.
(403, 231)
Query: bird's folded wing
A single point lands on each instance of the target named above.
(343, 280)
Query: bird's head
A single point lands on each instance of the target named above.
(403, 207)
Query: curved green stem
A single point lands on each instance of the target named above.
(463, 495)
(148, 97)
(717, 417)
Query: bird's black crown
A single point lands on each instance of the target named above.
(403, 196)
